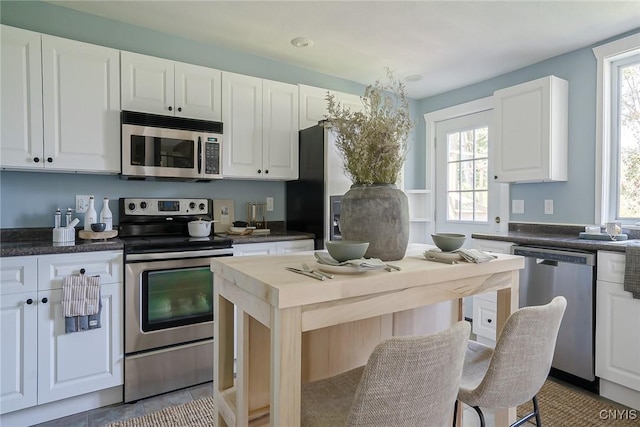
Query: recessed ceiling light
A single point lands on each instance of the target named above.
(302, 42)
(413, 78)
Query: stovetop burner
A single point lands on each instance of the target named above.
(160, 225)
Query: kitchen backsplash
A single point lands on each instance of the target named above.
(29, 199)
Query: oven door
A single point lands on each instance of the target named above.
(161, 153)
(167, 302)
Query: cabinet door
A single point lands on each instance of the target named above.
(21, 138)
(280, 130)
(79, 362)
(198, 92)
(147, 84)
(81, 106)
(313, 105)
(617, 336)
(530, 142)
(248, 249)
(242, 118)
(18, 359)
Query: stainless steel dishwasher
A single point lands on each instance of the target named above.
(550, 272)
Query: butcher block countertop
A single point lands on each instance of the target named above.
(267, 278)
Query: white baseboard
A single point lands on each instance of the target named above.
(62, 408)
(620, 394)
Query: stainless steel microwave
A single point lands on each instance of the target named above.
(165, 147)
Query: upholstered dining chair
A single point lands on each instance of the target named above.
(407, 381)
(513, 372)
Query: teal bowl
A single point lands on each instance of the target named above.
(345, 250)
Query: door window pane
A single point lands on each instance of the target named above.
(468, 177)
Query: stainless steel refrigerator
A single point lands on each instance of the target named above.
(313, 201)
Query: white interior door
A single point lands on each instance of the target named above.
(467, 198)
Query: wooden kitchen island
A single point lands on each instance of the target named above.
(293, 329)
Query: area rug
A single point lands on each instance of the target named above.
(198, 413)
(561, 406)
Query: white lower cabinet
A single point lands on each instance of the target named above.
(484, 305)
(46, 364)
(617, 333)
(270, 248)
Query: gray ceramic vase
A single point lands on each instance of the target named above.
(378, 214)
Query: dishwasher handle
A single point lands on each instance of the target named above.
(554, 255)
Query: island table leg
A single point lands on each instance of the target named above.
(286, 366)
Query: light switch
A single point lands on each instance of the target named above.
(517, 206)
(548, 207)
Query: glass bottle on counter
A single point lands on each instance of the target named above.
(91, 216)
(106, 216)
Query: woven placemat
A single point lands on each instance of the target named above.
(199, 413)
(562, 406)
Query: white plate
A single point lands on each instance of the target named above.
(340, 269)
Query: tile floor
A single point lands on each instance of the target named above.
(123, 411)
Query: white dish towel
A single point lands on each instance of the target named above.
(81, 303)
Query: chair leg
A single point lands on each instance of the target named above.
(480, 415)
(535, 413)
(536, 410)
(455, 413)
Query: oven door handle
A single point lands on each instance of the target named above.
(178, 255)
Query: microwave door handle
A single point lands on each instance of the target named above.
(199, 155)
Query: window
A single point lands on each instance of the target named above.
(618, 131)
(467, 175)
(625, 137)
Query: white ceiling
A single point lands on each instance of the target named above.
(450, 43)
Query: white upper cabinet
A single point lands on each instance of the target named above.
(21, 119)
(313, 104)
(81, 101)
(60, 104)
(261, 128)
(531, 138)
(161, 86)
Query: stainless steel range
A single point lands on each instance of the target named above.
(168, 293)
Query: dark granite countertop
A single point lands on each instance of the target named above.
(557, 236)
(38, 241)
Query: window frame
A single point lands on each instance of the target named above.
(606, 55)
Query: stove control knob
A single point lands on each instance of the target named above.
(132, 206)
(143, 205)
(202, 206)
(192, 205)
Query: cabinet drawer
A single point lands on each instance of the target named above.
(611, 267)
(294, 246)
(53, 268)
(484, 318)
(18, 274)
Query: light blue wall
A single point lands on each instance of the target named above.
(29, 199)
(574, 200)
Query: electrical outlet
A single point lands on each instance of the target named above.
(548, 207)
(269, 204)
(82, 203)
(517, 206)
